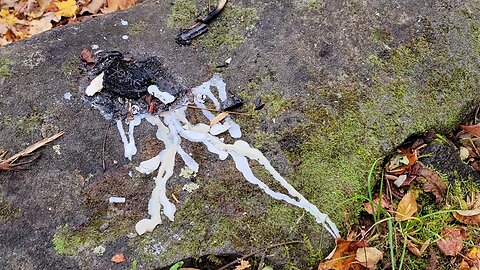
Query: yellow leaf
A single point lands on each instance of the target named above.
(66, 8)
(7, 17)
(406, 207)
(218, 118)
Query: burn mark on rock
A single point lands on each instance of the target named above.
(125, 85)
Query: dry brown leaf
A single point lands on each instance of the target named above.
(384, 203)
(87, 56)
(343, 257)
(472, 129)
(413, 248)
(114, 5)
(118, 258)
(468, 219)
(472, 260)
(38, 26)
(93, 7)
(432, 261)
(242, 265)
(433, 183)
(451, 242)
(369, 257)
(218, 118)
(406, 207)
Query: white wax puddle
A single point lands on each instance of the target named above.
(175, 126)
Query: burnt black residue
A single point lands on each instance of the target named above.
(125, 84)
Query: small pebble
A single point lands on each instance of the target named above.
(67, 96)
(103, 227)
(95, 47)
(124, 22)
(116, 200)
(124, 37)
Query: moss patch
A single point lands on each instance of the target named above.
(182, 14)
(4, 67)
(26, 124)
(136, 28)
(353, 127)
(65, 242)
(7, 211)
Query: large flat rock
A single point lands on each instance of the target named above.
(344, 82)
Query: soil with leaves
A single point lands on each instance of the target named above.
(20, 19)
(414, 217)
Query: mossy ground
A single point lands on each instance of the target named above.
(4, 67)
(26, 124)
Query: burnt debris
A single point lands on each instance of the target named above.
(201, 26)
(125, 84)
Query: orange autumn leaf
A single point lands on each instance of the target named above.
(406, 207)
(472, 261)
(472, 129)
(343, 257)
(118, 258)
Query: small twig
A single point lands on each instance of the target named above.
(262, 260)
(215, 110)
(103, 146)
(476, 114)
(32, 148)
(258, 251)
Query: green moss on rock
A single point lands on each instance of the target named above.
(7, 211)
(26, 124)
(5, 67)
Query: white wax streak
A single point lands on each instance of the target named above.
(176, 125)
(129, 144)
(164, 97)
(205, 89)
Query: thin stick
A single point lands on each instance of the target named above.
(103, 146)
(214, 110)
(32, 148)
(258, 251)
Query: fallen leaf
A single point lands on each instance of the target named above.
(343, 257)
(413, 248)
(93, 7)
(472, 260)
(451, 242)
(118, 258)
(469, 217)
(38, 26)
(433, 183)
(384, 203)
(218, 118)
(432, 261)
(464, 153)
(87, 56)
(406, 207)
(66, 8)
(242, 265)
(472, 129)
(114, 5)
(369, 257)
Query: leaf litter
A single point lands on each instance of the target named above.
(20, 19)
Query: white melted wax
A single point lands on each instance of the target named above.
(174, 126)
